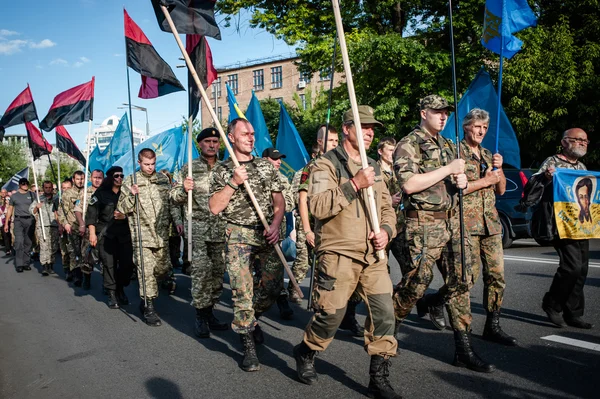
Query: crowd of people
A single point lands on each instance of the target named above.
(133, 226)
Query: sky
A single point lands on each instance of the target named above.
(55, 45)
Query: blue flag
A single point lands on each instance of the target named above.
(166, 145)
(183, 153)
(261, 132)
(503, 18)
(290, 144)
(576, 203)
(234, 109)
(482, 94)
(119, 145)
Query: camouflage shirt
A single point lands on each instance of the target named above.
(90, 191)
(263, 180)
(66, 208)
(417, 153)
(155, 216)
(47, 211)
(557, 162)
(480, 213)
(210, 227)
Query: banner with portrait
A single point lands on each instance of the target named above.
(577, 203)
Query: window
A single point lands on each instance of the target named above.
(325, 74)
(216, 88)
(232, 81)
(303, 101)
(258, 76)
(279, 99)
(276, 77)
(220, 113)
(305, 77)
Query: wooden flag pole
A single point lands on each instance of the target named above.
(87, 170)
(227, 145)
(189, 212)
(359, 136)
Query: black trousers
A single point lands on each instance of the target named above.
(117, 260)
(566, 291)
(24, 231)
(7, 239)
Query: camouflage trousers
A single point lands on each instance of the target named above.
(64, 246)
(338, 278)
(301, 263)
(487, 251)
(74, 243)
(156, 268)
(49, 246)
(425, 240)
(208, 267)
(245, 250)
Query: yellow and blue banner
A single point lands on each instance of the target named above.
(577, 203)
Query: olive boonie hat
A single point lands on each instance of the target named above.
(365, 113)
(434, 101)
(206, 133)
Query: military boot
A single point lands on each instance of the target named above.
(113, 302)
(149, 315)
(51, 268)
(87, 281)
(259, 337)
(379, 383)
(201, 328)
(293, 296)
(215, 324)
(430, 303)
(350, 323)
(250, 361)
(285, 312)
(45, 270)
(466, 357)
(121, 297)
(77, 280)
(305, 363)
(493, 332)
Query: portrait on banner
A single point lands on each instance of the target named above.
(577, 203)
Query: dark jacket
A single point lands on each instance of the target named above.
(538, 194)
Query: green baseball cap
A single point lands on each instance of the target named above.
(434, 101)
(365, 113)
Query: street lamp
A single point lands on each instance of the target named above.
(137, 107)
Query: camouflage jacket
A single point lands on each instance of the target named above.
(288, 195)
(263, 180)
(46, 211)
(207, 226)
(480, 213)
(557, 162)
(66, 207)
(90, 191)
(419, 152)
(155, 205)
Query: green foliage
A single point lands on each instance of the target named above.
(12, 159)
(67, 167)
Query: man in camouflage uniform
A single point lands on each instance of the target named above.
(67, 218)
(347, 250)
(430, 176)
(152, 192)
(274, 157)
(247, 239)
(63, 240)
(87, 268)
(208, 239)
(49, 246)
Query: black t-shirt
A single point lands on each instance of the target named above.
(21, 203)
(101, 211)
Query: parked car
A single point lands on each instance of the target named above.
(515, 225)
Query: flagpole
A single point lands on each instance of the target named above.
(87, 169)
(227, 145)
(499, 93)
(37, 193)
(58, 167)
(354, 105)
(137, 202)
(189, 213)
(460, 191)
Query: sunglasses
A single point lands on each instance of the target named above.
(118, 176)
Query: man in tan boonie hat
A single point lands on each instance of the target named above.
(366, 115)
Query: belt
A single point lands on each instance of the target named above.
(250, 226)
(23, 217)
(434, 214)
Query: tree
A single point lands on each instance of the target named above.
(12, 159)
(67, 167)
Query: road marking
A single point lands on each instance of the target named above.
(542, 260)
(573, 342)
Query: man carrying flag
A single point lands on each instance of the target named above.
(49, 246)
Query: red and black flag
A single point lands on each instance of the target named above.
(66, 144)
(38, 144)
(189, 17)
(201, 57)
(158, 78)
(72, 106)
(21, 110)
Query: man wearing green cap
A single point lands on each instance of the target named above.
(348, 261)
(430, 175)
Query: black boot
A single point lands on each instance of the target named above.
(214, 323)
(69, 276)
(113, 303)
(466, 357)
(493, 332)
(149, 315)
(250, 361)
(258, 335)
(577, 322)
(77, 277)
(121, 297)
(350, 323)
(305, 363)
(430, 303)
(51, 268)
(379, 383)
(201, 328)
(550, 307)
(87, 281)
(45, 270)
(285, 312)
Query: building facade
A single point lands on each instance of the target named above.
(104, 133)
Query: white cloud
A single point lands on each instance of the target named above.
(84, 59)
(6, 32)
(59, 61)
(118, 55)
(78, 64)
(46, 43)
(8, 47)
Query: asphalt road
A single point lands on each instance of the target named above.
(58, 341)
